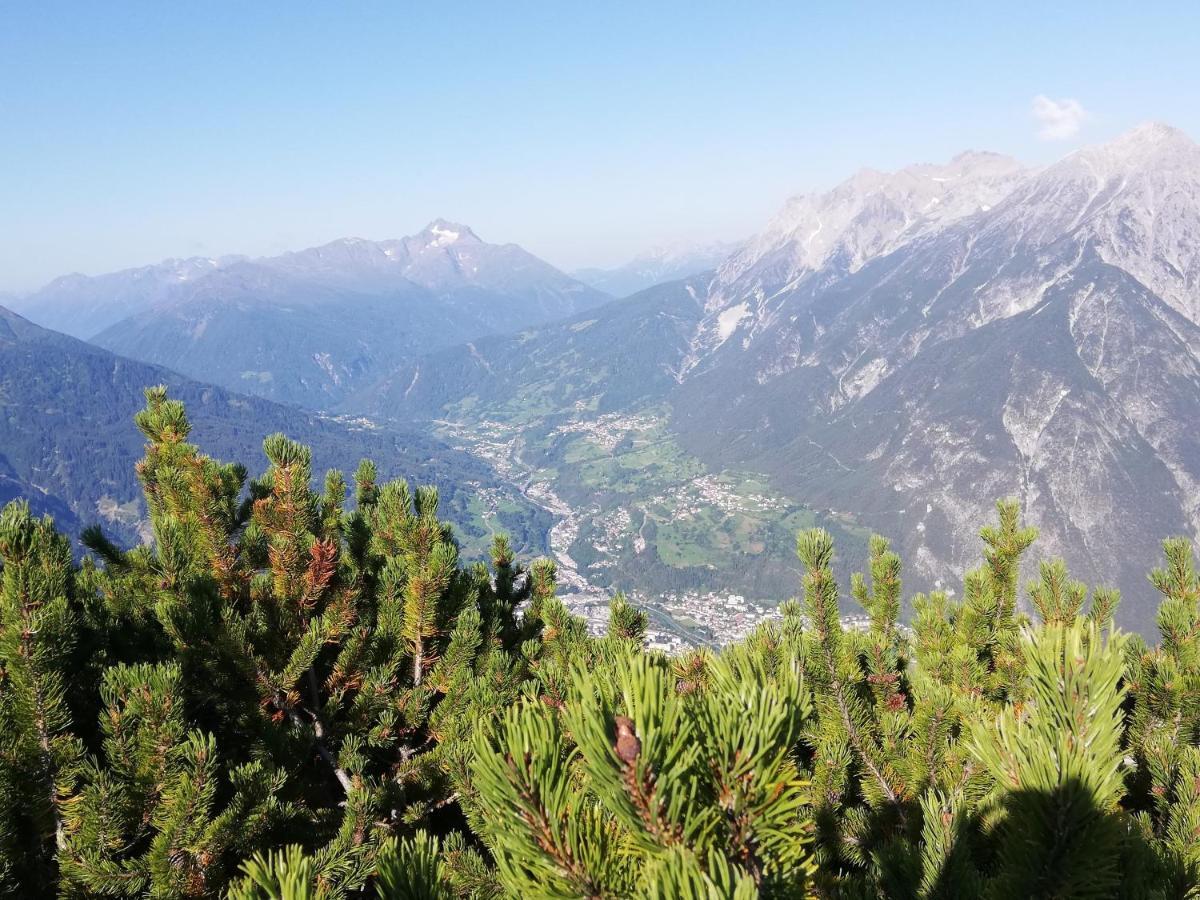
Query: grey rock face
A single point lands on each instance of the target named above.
(1040, 342)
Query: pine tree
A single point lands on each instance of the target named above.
(272, 668)
(143, 821)
(1163, 731)
(41, 621)
(627, 784)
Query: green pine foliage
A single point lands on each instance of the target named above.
(285, 693)
(271, 669)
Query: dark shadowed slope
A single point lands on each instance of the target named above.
(68, 441)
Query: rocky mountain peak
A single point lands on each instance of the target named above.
(1046, 343)
(1153, 135)
(442, 233)
(869, 214)
(1148, 149)
(1135, 199)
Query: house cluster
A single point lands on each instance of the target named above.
(609, 430)
(709, 492)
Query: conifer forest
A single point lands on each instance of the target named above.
(297, 691)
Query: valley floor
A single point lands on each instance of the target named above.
(707, 555)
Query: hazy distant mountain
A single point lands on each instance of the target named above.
(660, 265)
(68, 442)
(911, 346)
(82, 305)
(306, 327)
(614, 358)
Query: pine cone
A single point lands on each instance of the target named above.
(628, 746)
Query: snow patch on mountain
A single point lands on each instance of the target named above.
(728, 320)
(1135, 199)
(444, 236)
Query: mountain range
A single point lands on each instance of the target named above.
(1041, 344)
(911, 346)
(308, 327)
(893, 354)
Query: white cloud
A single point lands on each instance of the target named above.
(1057, 119)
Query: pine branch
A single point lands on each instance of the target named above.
(318, 727)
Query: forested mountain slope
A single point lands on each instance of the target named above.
(67, 441)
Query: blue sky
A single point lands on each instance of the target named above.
(585, 132)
